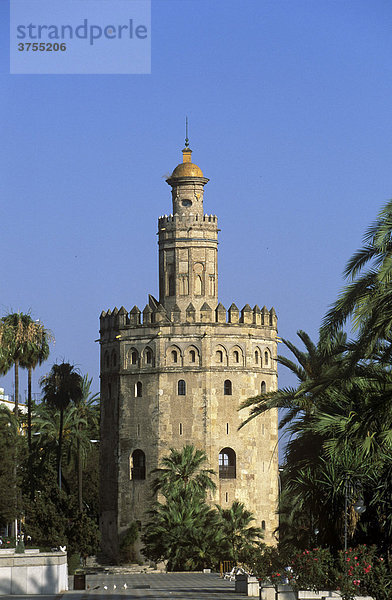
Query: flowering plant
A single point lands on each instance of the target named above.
(311, 570)
(359, 572)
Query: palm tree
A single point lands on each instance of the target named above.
(60, 387)
(37, 353)
(19, 333)
(185, 532)
(84, 419)
(183, 471)
(238, 532)
(368, 298)
(317, 364)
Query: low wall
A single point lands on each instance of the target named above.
(249, 585)
(33, 572)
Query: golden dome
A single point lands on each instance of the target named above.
(187, 169)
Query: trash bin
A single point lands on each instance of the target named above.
(79, 581)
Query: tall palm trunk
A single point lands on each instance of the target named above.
(16, 399)
(60, 445)
(80, 475)
(29, 377)
(30, 457)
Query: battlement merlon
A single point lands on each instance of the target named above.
(157, 316)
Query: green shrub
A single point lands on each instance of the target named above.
(74, 563)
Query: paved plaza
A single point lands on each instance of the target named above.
(159, 586)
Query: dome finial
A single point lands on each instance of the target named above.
(186, 133)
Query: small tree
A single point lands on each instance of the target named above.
(83, 536)
(239, 535)
(60, 387)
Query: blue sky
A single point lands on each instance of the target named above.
(289, 106)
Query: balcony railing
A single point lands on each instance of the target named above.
(226, 471)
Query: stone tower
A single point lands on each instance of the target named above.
(176, 373)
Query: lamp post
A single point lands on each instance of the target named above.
(358, 505)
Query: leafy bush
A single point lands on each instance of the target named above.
(312, 570)
(359, 572)
(73, 563)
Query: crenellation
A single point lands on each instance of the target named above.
(256, 315)
(206, 313)
(220, 313)
(265, 316)
(233, 314)
(273, 318)
(135, 316)
(246, 315)
(147, 315)
(190, 313)
(157, 314)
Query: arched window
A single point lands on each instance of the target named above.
(227, 464)
(256, 357)
(219, 356)
(138, 389)
(263, 525)
(266, 358)
(174, 356)
(181, 390)
(192, 356)
(134, 357)
(263, 387)
(138, 465)
(148, 356)
(114, 359)
(236, 356)
(227, 388)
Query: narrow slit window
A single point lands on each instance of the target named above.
(227, 428)
(257, 357)
(266, 358)
(180, 428)
(192, 355)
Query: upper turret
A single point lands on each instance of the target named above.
(187, 182)
(188, 242)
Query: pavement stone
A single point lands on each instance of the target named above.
(160, 586)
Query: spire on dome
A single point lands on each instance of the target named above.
(186, 133)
